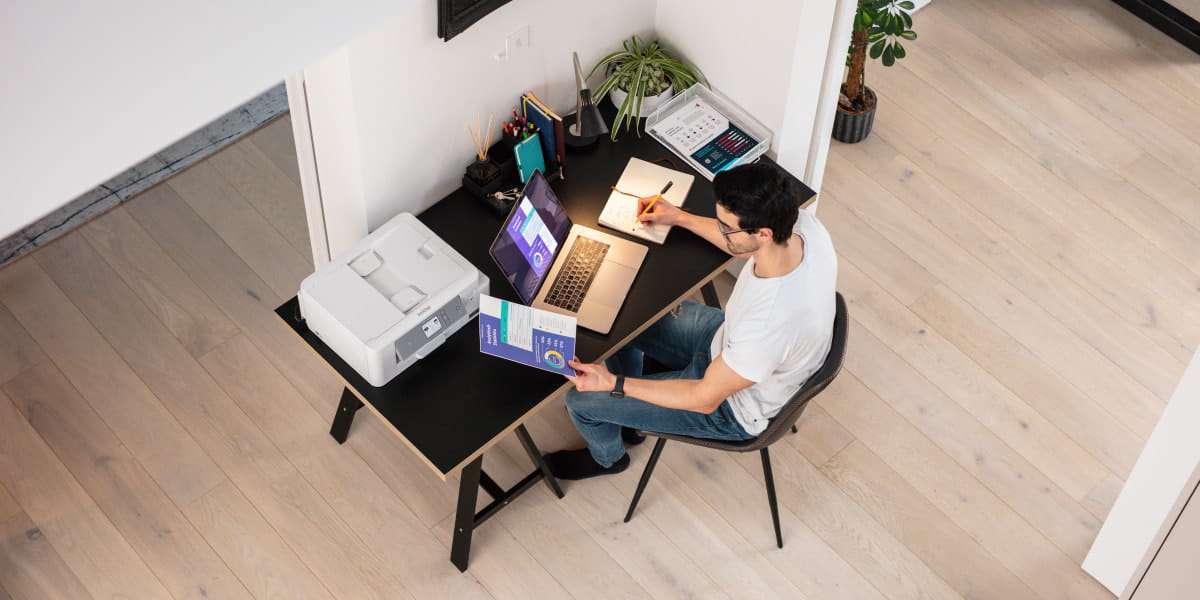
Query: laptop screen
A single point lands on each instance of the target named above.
(531, 237)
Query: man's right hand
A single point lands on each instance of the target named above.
(663, 212)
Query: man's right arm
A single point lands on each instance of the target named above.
(668, 214)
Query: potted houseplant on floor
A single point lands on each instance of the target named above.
(879, 24)
(639, 77)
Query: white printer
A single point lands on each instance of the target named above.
(392, 298)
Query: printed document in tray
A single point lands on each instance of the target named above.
(538, 338)
(642, 179)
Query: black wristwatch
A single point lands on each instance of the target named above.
(618, 390)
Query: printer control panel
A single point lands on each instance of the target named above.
(415, 339)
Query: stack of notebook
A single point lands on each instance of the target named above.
(550, 130)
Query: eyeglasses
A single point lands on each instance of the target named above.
(726, 231)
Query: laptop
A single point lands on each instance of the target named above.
(564, 268)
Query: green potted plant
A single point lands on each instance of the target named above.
(881, 24)
(641, 76)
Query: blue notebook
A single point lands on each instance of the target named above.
(529, 157)
(549, 128)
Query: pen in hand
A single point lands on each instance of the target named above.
(657, 197)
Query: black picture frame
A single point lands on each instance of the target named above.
(455, 16)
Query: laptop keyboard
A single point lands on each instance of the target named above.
(577, 273)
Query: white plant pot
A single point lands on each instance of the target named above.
(649, 103)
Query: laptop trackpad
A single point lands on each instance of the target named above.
(611, 284)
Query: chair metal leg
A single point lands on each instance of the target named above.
(658, 446)
(766, 462)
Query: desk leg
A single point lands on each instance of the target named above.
(464, 519)
(709, 291)
(536, 456)
(344, 416)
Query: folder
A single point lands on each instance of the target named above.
(550, 126)
(528, 153)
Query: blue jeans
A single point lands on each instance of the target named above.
(680, 343)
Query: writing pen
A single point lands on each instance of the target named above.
(654, 201)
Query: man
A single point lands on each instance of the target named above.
(732, 370)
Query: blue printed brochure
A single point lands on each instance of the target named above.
(530, 336)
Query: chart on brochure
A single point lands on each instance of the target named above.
(530, 336)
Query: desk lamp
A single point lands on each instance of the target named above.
(586, 125)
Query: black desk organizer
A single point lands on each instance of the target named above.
(501, 155)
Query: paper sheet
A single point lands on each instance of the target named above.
(530, 336)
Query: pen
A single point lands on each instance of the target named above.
(655, 200)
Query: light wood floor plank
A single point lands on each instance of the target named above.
(1102, 498)
(643, 551)
(1079, 416)
(1030, 44)
(151, 433)
(1019, 546)
(278, 490)
(30, 568)
(1167, 185)
(1007, 417)
(1028, 491)
(501, 564)
(265, 187)
(18, 352)
(953, 554)
(1145, 59)
(1130, 346)
(1168, 296)
(251, 547)
(276, 141)
(819, 436)
(161, 285)
(61, 511)
(692, 515)
(1027, 320)
(234, 287)
(249, 302)
(369, 507)
(1054, 131)
(228, 213)
(880, 557)
(144, 515)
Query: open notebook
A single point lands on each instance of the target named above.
(643, 179)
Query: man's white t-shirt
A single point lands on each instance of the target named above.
(778, 330)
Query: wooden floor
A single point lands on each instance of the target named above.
(1020, 248)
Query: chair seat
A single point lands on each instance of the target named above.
(749, 445)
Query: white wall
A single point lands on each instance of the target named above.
(397, 140)
(1163, 470)
(770, 57)
(91, 88)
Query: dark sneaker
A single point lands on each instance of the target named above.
(579, 464)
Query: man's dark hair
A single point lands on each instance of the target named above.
(761, 195)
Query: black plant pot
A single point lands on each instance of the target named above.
(853, 127)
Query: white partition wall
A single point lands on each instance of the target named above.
(1151, 498)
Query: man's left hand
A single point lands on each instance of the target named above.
(591, 377)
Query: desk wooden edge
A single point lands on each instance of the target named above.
(529, 413)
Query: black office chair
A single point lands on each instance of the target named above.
(780, 423)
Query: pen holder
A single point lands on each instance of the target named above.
(502, 168)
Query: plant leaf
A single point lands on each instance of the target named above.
(889, 58)
(898, 50)
(878, 48)
(909, 35)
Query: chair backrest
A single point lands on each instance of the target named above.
(783, 421)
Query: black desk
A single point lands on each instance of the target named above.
(456, 403)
